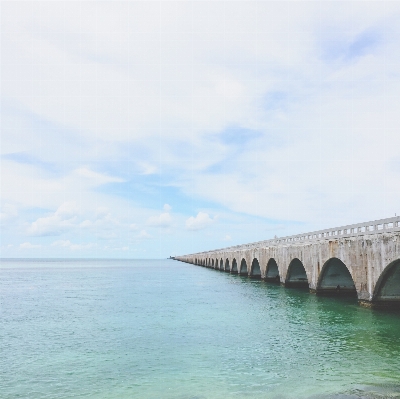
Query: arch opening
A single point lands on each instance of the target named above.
(387, 290)
(227, 265)
(272, 273)
(212, 262)
(216, 264)
(335, 280)
(243, 268)
(221, 265)
(234, 269)
(296, 275)
(255, 269)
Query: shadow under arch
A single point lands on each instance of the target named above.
(387, 288)
(234, 269)
(272, 273)
(221, 264)
(255, 271)
(216, 264)
(335, 280)
(227, 265)
(243, 268)
(212, 262)
(296, 275)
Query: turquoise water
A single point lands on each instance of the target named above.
(165, 329)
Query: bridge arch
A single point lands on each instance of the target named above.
(387, 288)
(336, 279)
(296, 275)
(212, 262)
(243, 268)
(234, 268)
(216, 264)
(255, 271)
(272, 272)
(227, 265)
(221, 264)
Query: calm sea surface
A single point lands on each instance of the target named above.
(165, 329)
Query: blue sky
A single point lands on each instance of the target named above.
(149, 129)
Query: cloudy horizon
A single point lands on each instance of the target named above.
(150, 129)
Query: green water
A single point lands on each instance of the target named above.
(165, 329)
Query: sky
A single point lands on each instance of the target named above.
(152, 129)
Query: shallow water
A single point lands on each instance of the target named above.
(165, 329)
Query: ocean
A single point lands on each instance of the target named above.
(164, 329)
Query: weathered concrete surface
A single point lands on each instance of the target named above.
(372, 259)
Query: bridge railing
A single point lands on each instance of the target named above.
(353, 230)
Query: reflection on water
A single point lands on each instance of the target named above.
(164, 329)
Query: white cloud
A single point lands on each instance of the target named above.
(163, 220)
(227, 238)
(144, 234)
(61, 243)
(8, 212)
(106, 235)
(96, 178)
(147, 168)
(167, 208)
(104, 218)
(201, 221)
(63, 219)
(28, 245)
(73, 247)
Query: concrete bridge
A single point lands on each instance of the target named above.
(361, 260)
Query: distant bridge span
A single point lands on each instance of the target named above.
(361, 260)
